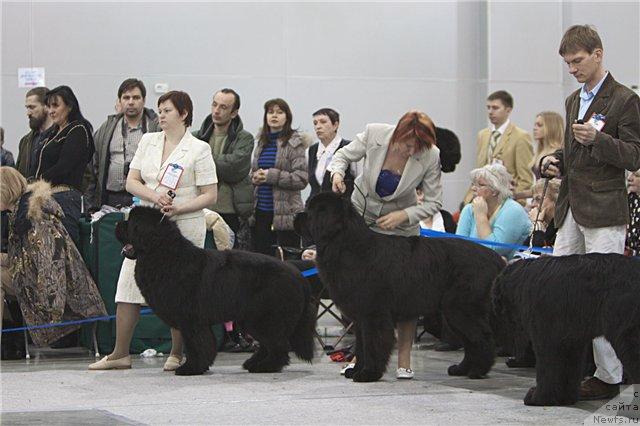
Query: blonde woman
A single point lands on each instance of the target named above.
(548, 134)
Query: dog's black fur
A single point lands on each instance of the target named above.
(378, 279)
(190, 289)
(561, 304)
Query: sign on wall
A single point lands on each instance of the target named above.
(30, 77)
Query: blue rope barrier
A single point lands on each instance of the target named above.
(146, 311)
(438, 234)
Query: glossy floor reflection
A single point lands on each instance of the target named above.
(56, 388)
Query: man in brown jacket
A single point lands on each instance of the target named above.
(602, 140)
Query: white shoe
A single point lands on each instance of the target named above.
(346, 367)
(404, 373)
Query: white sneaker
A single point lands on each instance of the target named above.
(404, 373)
(346, 367)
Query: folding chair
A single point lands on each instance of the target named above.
(319, 295)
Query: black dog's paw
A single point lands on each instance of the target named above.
(458, 370)
(188, 370)
(364, 376)
(533, 398)
(529, 397)
(249, 364)
(349, 372)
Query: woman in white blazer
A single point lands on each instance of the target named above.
(397, 159)
(169, 160)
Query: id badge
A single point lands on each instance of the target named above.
(597, 121)
(171, 176)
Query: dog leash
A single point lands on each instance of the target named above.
(172, 195)
(543, 173)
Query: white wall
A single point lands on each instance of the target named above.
(370, 61)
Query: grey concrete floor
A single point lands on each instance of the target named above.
(55, 387)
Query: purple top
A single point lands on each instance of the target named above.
(387, 183)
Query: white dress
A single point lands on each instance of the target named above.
(194, 156)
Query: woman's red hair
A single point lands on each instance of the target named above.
(416, 125)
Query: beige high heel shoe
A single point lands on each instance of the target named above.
(114, 364)
(172, 363)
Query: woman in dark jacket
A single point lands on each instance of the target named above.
(65, 155)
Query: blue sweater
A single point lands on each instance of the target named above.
(509, 225)
(266, 161)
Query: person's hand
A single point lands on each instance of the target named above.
(337, 184)
(259, 177)
(550, 167)
(392, 220)
(163, 200)
(480, 207)
(309, 254)
(634, 182)
(171, 210)
(584, 133)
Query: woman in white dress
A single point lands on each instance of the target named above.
(161, 159)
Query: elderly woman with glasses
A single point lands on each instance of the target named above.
(493, 215)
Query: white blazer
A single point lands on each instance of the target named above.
(192, 154)
(422, 169)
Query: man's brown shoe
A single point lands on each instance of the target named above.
(593, 389)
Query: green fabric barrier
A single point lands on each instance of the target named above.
(102, 254)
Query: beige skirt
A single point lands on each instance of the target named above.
(193, 229)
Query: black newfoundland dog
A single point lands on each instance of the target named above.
(377, 280)
(191, 289)
(561, 304)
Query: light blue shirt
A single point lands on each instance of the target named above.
(586, 97)
(509, 225)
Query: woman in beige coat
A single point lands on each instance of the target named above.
(397, 159)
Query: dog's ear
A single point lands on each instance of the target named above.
(300, 225)
(449, 146)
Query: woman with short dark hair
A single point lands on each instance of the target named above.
(174, 172)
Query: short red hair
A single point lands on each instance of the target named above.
(417, 125)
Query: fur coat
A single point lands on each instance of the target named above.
(51, 280)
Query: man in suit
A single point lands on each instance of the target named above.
(602, 140)
(505, 143)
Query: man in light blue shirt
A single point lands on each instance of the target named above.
(602, 140)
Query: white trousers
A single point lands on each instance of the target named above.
(573, 238)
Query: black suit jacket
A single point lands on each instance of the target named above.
(326, 181)
(593, 184)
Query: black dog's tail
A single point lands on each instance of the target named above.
(301, 340)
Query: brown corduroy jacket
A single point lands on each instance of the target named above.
(593, 184)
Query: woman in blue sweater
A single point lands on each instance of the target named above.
(493, 215)
(279, 174)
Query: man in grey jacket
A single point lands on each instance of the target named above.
(116, 141)
(231, 147)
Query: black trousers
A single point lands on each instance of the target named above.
(264, 237)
